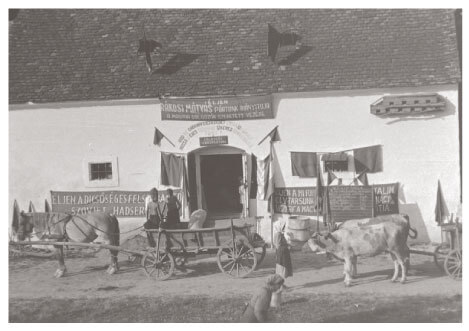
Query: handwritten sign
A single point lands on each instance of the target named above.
(385, 197)
(350, 202)
(215, 140)
(295, 200)
(217, 109)
(119, 203)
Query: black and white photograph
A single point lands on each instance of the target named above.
(234, 165)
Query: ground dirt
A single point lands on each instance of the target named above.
(316, 292)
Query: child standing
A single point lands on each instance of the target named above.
(154, 216)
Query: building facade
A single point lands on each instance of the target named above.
(84, 108)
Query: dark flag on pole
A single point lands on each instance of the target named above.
(441, 210)
(157, 138)
(47, 208)
(31, 208)
(330, 177)
(147, 46)
(274, 136)
(16, 213)
(276, 39)
(363, 177)
(320, 189)
(273, 42)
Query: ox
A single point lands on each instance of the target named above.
(368, 237)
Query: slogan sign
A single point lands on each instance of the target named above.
(385, 197)
(119, 203)
(350, 202)
(217, 109)
(215, 140)
(295, 200)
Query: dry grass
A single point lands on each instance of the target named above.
(319, 308)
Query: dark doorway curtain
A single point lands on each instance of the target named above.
(253, 190)
(192, 182)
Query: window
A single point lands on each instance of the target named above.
(100, 171)
(336, 165)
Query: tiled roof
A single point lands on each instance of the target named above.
(77, 54)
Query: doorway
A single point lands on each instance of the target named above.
(220, 176)
(219, 172)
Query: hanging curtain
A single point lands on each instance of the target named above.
(369, 159)
(304, 164)
(172, 168)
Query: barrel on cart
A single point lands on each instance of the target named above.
(238, 251)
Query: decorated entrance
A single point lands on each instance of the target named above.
(220, 175)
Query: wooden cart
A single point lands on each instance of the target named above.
(238, 251)
(448, 255)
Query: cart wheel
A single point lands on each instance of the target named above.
(260, 253)
(453, 264)
(441, 251)
(237, 260)
(161, 268)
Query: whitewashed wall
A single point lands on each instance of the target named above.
(48, 144)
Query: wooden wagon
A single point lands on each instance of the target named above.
(238, 251)
(448, 255)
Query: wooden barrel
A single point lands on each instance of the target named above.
(299, 228)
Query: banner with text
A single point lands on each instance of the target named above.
(217, 109)
(385, 197)
(295, 200)
(119, 203)
(350, 202)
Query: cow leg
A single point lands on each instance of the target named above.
(354, 266)
(402, 259)
(114, 266)
(348, 271)
(396, 267)
(60, 258)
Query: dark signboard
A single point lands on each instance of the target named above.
(295, 200)
(119, 203)
(350, 202)
(217, 109)
(385, 199)
(215, 140)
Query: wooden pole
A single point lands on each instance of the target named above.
(317, 194)
(66, 243)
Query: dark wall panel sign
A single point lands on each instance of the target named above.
(119, 203)
(295, 200)
(215, 140)
(217, 109)
(350, 202)
(385, 197)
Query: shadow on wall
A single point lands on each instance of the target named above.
(416, 222)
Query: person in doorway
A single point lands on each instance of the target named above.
(241, 190)
(153, 216)
(173, 206)
(256, 309)
(283, 265)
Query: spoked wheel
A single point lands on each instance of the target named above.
(440, 254)
(453, 264)
(237, 260)
(161, 267)
(260, 253)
